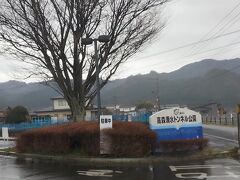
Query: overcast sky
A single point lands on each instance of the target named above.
(187, 21)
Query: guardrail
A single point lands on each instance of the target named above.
(220, 120)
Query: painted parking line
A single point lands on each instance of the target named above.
(228, 172)
(222, 138)
(201, 175)
(98, 173)
(176, 168)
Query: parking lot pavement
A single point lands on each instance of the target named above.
(217, 169)
(7, 144)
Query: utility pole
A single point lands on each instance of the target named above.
(158, 98)
(238, 124)
(156, 92)
(97, 80)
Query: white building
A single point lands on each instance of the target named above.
(60, 111)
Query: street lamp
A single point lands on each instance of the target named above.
(88, 41)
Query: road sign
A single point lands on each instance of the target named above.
(105, 121)
(5, 134)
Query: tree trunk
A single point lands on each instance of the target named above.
(78, 110)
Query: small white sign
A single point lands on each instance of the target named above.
(5, 134)
(105, 121)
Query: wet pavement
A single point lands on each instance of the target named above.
(221, 136)
(217, 169)
(6, 144)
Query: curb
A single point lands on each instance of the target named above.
(103, 161)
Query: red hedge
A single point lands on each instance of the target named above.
(131, 139)
(187, 144)
(60, 139)
(128, 139)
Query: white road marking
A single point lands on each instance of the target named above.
(203, 175)
(98, 173)
(191, 175)
(229, 175)
(175, 168)
(218, 137)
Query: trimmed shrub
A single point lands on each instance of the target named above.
(44, 140)
(81, 136)
(85, 136)
(128, 139)
(131, 139)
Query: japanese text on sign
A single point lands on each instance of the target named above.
(176, 119)
(105, 121)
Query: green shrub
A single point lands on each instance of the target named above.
(17, 115)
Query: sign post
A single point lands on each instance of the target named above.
(238, 123)
(105, 140)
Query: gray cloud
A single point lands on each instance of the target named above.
(187, 21)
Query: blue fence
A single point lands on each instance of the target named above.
(38, 123)
(28, 125)
(120, 117)
(143, 118)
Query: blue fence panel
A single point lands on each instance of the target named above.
(118, 117)
(28, 125)
(143, 118)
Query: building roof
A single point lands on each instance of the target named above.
(59, 110)
(58, 97)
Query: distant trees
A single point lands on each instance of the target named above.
(17, 115)
(148, 106)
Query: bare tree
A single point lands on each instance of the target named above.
(48, 33)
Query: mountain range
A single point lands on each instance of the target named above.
(195, 84)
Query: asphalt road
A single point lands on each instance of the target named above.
(221, 136)
(6, 144)
(219, 169)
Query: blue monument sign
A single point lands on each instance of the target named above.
(176, 124)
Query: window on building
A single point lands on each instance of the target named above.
(62, 103)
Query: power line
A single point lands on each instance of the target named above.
(227, 26)
(202, 40)
(190, 44)
(187, 56)
(224, 26)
